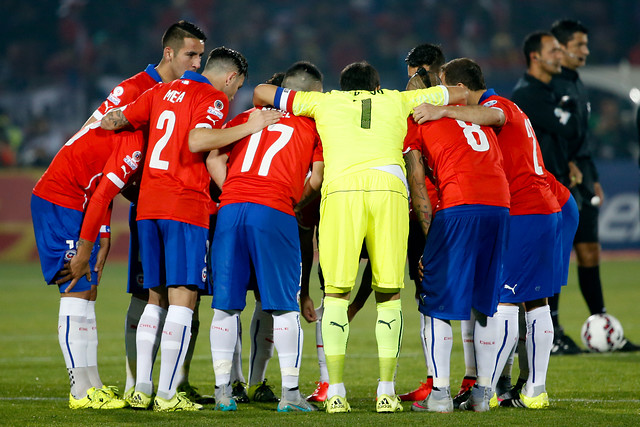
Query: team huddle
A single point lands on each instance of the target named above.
(447, 174)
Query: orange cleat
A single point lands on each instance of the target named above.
(320, 393)
(420, 393)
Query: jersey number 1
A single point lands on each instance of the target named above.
(254, 141)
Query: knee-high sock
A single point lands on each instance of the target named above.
(236, 364)
(485, 348)
(288, 340)
(183, 375)
(92, 346)
(389, 329)
(335, 334)
(322, 360)
(72, 336)
(591, 288)
(134, 312)
(261, 344)
(223, 337)
(466, 331)
(148, 337)
(505, 322)
(439, 338)
(176, 335)
(539, 343)
(427, 359)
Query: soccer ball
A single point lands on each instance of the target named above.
(602, 333)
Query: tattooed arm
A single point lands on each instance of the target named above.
(417, 186)
(114, 120)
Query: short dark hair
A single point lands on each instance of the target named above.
(304, 67)
(359, 76)
(276, 79)
(533, 43)
(426, 53)
(228, 57)
(465, 71)
(564, 29)
(175, 34)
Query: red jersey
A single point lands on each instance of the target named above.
(269, 167)
(523, 165)
(129, 90)
(561, 192)
(74, 174)
(465, 161)
(175, 181)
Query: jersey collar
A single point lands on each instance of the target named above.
(487, 94)
(151, 70)
(191, 75)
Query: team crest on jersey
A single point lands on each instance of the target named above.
(115, 95)
(490, 103)
(184, 82)
(204, 274)
(131, 162)
(216, 111)
(136, 156)
(69, 254)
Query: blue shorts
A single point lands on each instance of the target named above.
(530, 263)
(173, 253)
(251, 236)
(569, 226)
(57, 230)
(462, 261)
(135, 281)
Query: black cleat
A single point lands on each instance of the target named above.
(563, 345)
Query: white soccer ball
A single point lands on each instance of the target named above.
(602, 333)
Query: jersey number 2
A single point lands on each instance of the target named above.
(167, 118)
(254, 141)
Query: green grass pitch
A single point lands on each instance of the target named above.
(589, 389)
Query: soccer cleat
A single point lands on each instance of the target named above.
(503, 386)
(337, 404)
(563, 345)
(465, 391)
(320, 393)
(193, 395)
(292, 401)
(494, 402)
(627, 345)
(224, 399)
(179, 402)
(101, 399)
(420, 393)
(239, 392)
(262, 392)
(514, 392)
(439, 400)
(128, 394)
(540, 401)
(478, 400)
(111, 390)
(84, 403)
(386, 403)
(140, 400)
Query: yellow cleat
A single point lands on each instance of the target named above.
(386, 403)
(100, 399)
(140, 400)
(336, 405)
(179, 402)
(541, 401)
(494, 402)
(84, 403)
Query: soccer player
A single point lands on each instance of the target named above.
(58, 205)
(573, 37)
(184, 118)
(533, 258)
(257, 231)
(364, 197)
(468, 236)
(183, 47)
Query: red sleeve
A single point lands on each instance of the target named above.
(318, 154)
(105, 229)
(118, 170)
(210, 111)
(138, 113)
(412, 141)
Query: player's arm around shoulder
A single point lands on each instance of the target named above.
(418, 188)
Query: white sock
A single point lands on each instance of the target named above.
(182, 377)
(288, 339)
(505, 322)
(261, 344)
(438, 337)
(484, 340)
(466, 331)
(236, 365)
(422, 341)
(337, 389)
(92, 346)
(176, 335)
(322, 360)
(72, 336)
(223, 337)
(147, 342)
(134, 312)
(539, 343)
